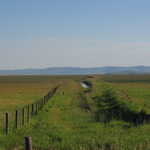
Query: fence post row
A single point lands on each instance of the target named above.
(27, 112)
(16, 119)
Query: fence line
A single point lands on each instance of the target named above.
(20, 117)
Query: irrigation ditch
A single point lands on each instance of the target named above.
(86, 84)
(110, 108)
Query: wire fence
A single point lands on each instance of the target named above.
(18, 118)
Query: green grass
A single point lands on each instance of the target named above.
(132, 88)
(64, 124)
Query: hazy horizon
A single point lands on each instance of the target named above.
(75, 67)
(44, 34)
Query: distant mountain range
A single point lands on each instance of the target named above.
(78, 71)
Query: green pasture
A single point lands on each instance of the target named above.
(68, 121)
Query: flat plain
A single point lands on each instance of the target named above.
(69, 120)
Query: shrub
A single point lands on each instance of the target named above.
(109, 107)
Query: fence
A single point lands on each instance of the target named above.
(17, 119)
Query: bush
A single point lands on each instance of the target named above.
(106, 106)
(109, 107)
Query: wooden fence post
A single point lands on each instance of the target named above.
(32, 110)
(6, 123)
(28, 113)
(28, 143)
(37, 104)
(16, 119)
(22, 116)
(36, 109)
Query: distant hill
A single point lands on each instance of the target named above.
(78, 71)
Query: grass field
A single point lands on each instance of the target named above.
(135, 88)
(68, 121)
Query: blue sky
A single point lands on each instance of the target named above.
(85, 33)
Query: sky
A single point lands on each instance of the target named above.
(77, 33)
